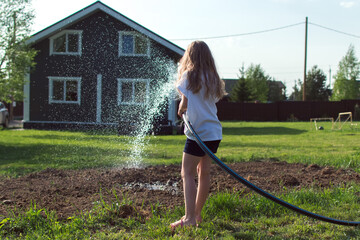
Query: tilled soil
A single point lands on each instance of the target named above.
(69, 192)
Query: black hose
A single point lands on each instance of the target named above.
(259, 190)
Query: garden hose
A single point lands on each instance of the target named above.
(259, 190)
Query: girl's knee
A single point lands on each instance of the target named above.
(203, 171)
(203, 167)
(185, 173)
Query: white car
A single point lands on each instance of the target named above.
(4, 115)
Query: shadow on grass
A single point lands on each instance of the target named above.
(83, 136)
(16, 160)
(261, 131)
(19, 159)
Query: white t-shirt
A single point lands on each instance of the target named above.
(201, 113)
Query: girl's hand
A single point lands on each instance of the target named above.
(180, 112)
(182, 105)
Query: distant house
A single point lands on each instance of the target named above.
(94, 68)
(229, 84)
(277, 91)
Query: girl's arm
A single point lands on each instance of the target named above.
(182, 105)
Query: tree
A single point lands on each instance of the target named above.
(257, 80)
(346, 86)
(241, 91)
(252, 85)
(16, 58)
(316, 89)
(296, 95)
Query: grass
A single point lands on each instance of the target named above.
(22, 152)
(291, 142)
(227, 215)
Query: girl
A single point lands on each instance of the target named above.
(200, 88)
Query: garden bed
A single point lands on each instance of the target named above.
(69, 192)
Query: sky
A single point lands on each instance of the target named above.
(266, 32)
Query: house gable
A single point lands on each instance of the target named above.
(99, 6)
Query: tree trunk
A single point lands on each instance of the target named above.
(11, 110)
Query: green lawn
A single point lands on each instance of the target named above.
(291, 142)
(226, 215)
(26, 151)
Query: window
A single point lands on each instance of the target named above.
(133, 44)
(64, 89)
(67, 42)
(133, 91)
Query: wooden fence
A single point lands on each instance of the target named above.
(284, 110)
(278, 111)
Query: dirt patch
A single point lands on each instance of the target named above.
(69, 192)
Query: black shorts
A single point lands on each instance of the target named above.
(191, 147)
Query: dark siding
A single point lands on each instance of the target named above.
(99, 56)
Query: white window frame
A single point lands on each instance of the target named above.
(133, 54)
(66, 32)
(64, 79)
(133, 81)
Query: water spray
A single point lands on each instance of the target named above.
(259, 190)
(158, 100)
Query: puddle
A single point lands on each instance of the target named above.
(170, 186)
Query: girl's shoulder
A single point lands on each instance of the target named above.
(184, 78)
(185, 75)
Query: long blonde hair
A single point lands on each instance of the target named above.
(199, 63)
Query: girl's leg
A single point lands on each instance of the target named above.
(203, 170)
(188, 172)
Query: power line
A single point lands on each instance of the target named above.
(334, 30)
(240, 34)
(265, 31)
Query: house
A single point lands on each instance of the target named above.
(229, 84)
(93, 69)
(277, 91)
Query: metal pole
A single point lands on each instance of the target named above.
(305, 60)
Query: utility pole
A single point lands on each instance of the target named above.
(305, 60)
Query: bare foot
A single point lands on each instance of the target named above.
(198, 219)
(177, 224)
(182, 222)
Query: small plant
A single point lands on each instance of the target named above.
(24, 222)
(117, 211)
(292, 118)
(357, 112)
